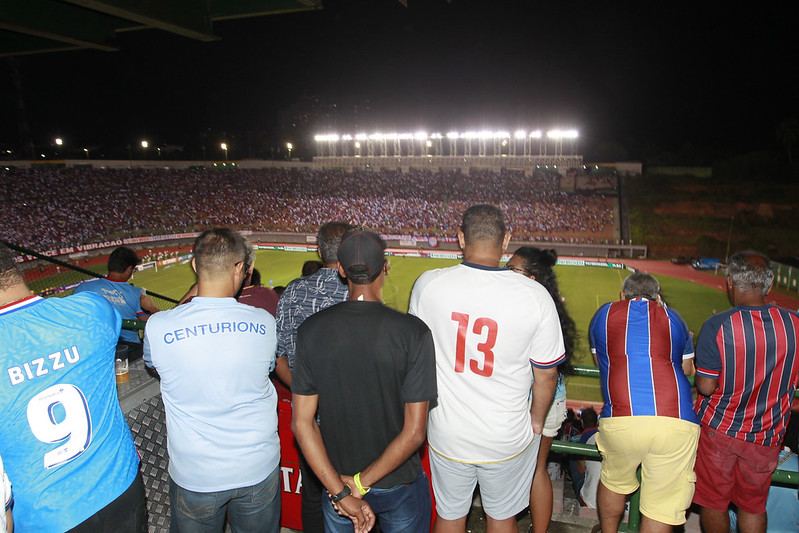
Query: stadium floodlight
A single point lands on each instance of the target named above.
(357, 144)
(347, 137)
(436, 136)
(429, 143)
(223, 146)
(535, 134)
(145, 144)
(501, 135)
(404, 136)
(569, 134)
(520, 134)
(485, 134)
(554, 134)
(376, 136)
(289, 146)
(421, 136)
(361, 136)
(87, 152)
(452, 135)
(59, 141)
(469, 135)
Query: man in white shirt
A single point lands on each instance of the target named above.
(488, 326)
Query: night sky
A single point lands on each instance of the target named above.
(641, 75)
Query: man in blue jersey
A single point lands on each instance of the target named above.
(131, 302)
(648, 419)
(214, 356)
(64, 440)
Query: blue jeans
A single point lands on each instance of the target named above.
(249, 509)
(400, 509)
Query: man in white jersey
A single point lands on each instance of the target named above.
(488, 327)
(214, 356)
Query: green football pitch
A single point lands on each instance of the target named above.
(584, 289)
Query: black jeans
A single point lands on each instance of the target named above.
(126, 514)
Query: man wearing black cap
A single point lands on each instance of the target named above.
(370, 370)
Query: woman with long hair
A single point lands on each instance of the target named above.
(538, 265)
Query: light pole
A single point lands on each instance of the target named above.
(289, 146)
(144, 145)
(86, 151)
(58, 142)
(158, 149)
(223, 146)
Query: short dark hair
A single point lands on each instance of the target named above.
(640, 284)
(311, 267)
(589, 418)
(122, 258)
(10, 274)
(217, 250)
(483, 222)
(328, 238)
(255, 277)
(751, 271)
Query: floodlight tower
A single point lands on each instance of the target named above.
(223, 146)
(144, 145)
(452, 137)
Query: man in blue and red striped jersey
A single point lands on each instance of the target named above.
(746, 374)
(648, 419)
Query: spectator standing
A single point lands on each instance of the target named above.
(539, 265)
(131, 302)
(488, 325)
(256, 295)
(64, 440)
(302, 298)
(746, 375)
(639, 345)
(214, 356)
(390, 361)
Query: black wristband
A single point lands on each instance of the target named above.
(346, 491)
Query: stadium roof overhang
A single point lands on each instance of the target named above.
(36, 26)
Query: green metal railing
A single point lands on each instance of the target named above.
(782, 477)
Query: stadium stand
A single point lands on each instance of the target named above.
(49, 208)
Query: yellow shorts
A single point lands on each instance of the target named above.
(666, 450)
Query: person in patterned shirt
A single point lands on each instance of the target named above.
(302, 298)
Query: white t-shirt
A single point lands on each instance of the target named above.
(488, 324)
(5, 494)
(593, 469)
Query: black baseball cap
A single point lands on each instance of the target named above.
(361, 254)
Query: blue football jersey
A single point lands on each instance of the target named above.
(125, 298)
(63, 438)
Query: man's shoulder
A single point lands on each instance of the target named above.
(87, 302)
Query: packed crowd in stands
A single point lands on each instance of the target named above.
(47, 208)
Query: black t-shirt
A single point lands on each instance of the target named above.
(365, 361)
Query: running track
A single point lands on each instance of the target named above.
(687, 272)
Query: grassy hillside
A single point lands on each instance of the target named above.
(696, 217)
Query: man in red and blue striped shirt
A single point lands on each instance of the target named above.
(648, 419)
(746, 374)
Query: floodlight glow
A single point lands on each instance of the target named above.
(346, 137)
(361, 136)
(452, 135)
(145, 144)
(554, 134)
(289, 146)
(429, 143)
(535, 134)
(569, 134)
(376, 136)
(404, 136)
(357, 144)
(59, 141)
(520, 134)
(421, 136)
(436, 136)
(485, 134)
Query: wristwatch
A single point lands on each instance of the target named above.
(346, 491)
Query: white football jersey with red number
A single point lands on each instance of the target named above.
(488, 325)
